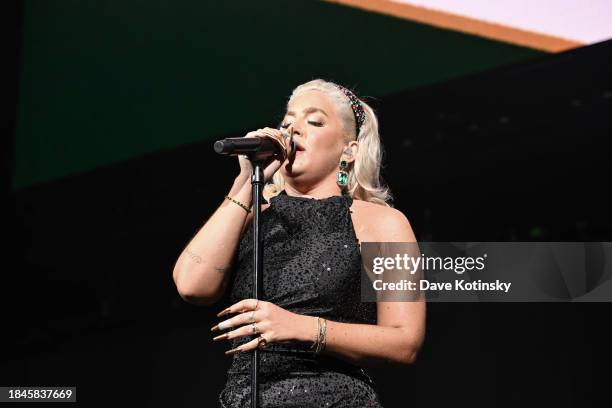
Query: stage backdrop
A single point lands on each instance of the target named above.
(104, 82)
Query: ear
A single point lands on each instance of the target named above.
(349, 153)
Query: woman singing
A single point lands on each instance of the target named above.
(314, 333)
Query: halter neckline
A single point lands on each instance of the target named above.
(331, 199)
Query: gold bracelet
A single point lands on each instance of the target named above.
(319, 344)
(239, 203)
(315, 344)
(323, 333)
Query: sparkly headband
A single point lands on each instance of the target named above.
(356, 106)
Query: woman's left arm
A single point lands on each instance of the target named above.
(396, 337)
(400, 329)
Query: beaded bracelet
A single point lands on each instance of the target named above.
(248, 210)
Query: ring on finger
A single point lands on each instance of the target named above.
(252, 318)
(255, 329)
(261, 342)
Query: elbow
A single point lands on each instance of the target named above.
(409, 355)
(411, 346)
(196, 298)
(190, 294)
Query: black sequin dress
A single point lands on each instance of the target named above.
(312, 266)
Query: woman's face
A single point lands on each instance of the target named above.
(312, 120)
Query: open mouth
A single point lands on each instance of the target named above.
(298, 149)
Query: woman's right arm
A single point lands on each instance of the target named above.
(201, 273)
(202, 270)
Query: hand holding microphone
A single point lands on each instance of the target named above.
(273, 145)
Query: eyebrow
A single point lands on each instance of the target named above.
(308, 110)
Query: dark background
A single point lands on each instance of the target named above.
(518, 152)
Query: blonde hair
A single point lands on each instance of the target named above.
(364, 181)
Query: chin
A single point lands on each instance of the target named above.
(295, 168)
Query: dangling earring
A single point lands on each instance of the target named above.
(342, 177)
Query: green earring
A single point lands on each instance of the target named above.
(342, 178)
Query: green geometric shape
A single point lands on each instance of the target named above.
(104, 82)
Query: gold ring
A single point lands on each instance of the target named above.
(255, 330)
(261, 342)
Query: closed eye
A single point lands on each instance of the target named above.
(286, 125)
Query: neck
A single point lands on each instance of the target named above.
(317, 192)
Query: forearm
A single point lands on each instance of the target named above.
(363, 344)
(202, 267)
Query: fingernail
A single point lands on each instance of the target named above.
(221, 337)
(234, 350)
(214, 328)
(223, 312)
(226, 324)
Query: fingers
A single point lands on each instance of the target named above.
(267, 131)
(274, 162)
(241, 306)
(254, 133)
(226, 324)
(252, 329)
(248, 346)
(250, 322)
(243, 318)
(276, 134)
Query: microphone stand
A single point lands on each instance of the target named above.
(257, 158)
(257, 179)
(257, 183)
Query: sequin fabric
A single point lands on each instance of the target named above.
(312, 264)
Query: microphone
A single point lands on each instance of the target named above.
(259, 147)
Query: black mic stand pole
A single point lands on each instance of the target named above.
(257, 158)
(257, 180)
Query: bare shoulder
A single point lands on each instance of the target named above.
(382, 223)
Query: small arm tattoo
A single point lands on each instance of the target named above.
(198, 259)
(194, 257)
(221, 270)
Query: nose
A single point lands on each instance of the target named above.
(293, 130)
